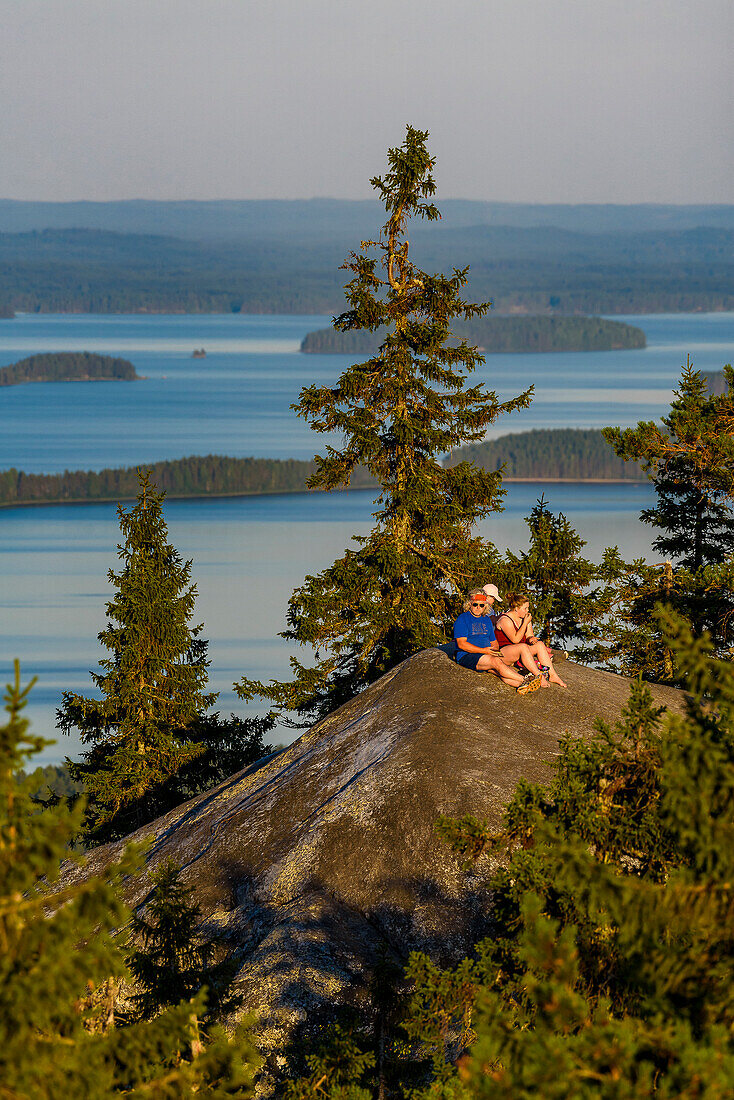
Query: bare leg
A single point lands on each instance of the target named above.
(519, 652)
(541, 652)
(491, 662)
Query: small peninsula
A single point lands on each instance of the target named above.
(68, 366)
(554, 454)
(500, 334)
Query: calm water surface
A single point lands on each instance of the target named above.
(237, 400)
(250, 553)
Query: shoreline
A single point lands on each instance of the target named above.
(308, 492)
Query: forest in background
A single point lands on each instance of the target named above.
(270, 257)
(561, 453)
(495, 334)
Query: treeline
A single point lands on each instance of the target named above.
(194, 476)
(570, 454)
(67, 366)
(565, 453)
(499, 334)
(528, 270)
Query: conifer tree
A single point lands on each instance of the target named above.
(608, 970)
(59, 947)
(175, 961)
(153, 684)
(690, 459)
(397, 414)
(559, 579)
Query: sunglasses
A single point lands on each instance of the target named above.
(479, 603)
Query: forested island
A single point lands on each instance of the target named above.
(498, 334)
(560, 454)
(563, 454)
(68, 366)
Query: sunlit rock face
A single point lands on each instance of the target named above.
(312, 860)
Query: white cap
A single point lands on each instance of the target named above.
(491, 590)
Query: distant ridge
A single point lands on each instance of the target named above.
(224, 219)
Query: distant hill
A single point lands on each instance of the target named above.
(351, 220)
(194, 476)
(499, 334)
(67, 366)
(528, 270)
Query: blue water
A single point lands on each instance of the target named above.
(250, 553)
(237, 400)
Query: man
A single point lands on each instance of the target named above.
(477, 647)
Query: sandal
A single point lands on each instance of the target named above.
(531, 682)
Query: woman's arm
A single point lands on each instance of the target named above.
(508, 627)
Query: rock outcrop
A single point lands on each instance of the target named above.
(309, 861)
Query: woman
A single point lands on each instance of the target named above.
(478, 649)
(514, 633)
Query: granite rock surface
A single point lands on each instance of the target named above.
(310, 861)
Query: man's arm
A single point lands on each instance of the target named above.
(469, 647)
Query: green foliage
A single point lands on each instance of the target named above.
(690, 459)
(67, 366)
(60, 960)
(499, 335)
(152, 685)
(338, 1069)
(607, 972)
(175, 960)
(397, 413)
(54, 780)
(559, 580)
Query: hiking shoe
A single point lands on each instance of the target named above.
(531, 682)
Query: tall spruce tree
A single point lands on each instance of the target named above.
(690, 460)
(397, 414)
(153, 684)
(61, 956)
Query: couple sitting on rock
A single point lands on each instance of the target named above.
(503, 644)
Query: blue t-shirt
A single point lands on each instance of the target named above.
(477, 629)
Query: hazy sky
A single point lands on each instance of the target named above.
(526, 100)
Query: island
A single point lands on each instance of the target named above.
(554, 454)
(499, 334)
(198, 353)
(68, 366)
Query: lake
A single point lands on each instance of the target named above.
(237, 400)
(249, 553)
